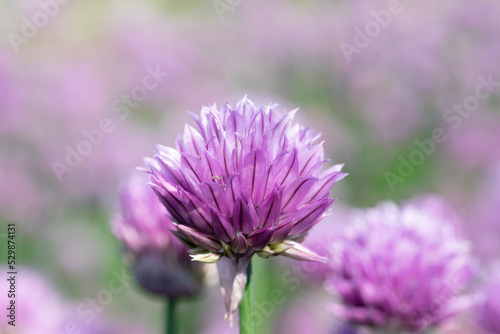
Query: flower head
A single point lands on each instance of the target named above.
(161, 263)
(401, 268)
(247, 181)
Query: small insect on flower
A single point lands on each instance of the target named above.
(160, 262)
(247, 181)
(401, 269)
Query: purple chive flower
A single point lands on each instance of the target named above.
(247, 182)
(401, 268)
(161, 263)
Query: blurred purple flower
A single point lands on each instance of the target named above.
(488, 313)
(401, 268)
(161, 262)
(247, 182)
(32, 292)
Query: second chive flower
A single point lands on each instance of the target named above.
(247, 181)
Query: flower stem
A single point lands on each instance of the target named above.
(170, 316)
(247, 325)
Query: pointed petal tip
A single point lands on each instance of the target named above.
(322, 259)
(301, 253)
(206, 257)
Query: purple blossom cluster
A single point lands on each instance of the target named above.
(401, 268)
(160, 262)
(247, 182)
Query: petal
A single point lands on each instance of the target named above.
(245, 107)
(299, 252)
(200, 238)
(270, 210)
(235, 123)
(211, 164)
(242, 217)
(215, 196)
(193, 141)
(201, 126)
(310, 158)
(225, 158)
(257, 127)
(239, 244)
(278, 131)
(178, 144)
(260, 238)
(185, 240)
(254, 167)
(170, 199)
(272, 171)
(223, 228)
(224, 113)
(193, 165)
(168, 170)
(254, 214)
(296, 192)
(216, 125)
(234, 126)
(169, 152)
(199, 213)
(212, 145)
(281, 232)
(323, 186)
(308, 215)
(289, 170)
(177, 175)
(233, 191)
(207, 257)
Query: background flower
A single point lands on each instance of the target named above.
(401, 268)
(160, 262)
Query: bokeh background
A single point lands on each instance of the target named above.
(63, 72)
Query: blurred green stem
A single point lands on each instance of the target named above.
(170, 316)
(247, 306)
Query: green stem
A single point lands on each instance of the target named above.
(170, 316)
(247, 325)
